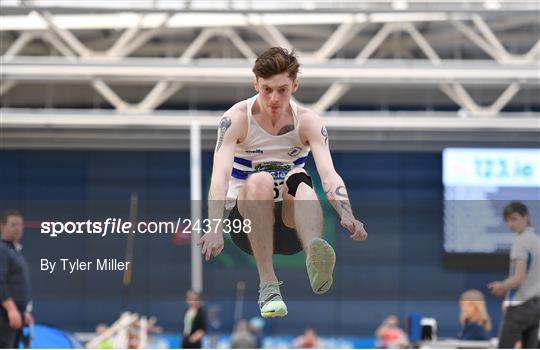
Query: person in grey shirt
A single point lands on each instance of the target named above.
(14, 281)
(522, 287)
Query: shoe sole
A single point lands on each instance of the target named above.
(274, 313)
(320, 263)
(278, 310)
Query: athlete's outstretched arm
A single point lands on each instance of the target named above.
(333, 184)
(212, 242)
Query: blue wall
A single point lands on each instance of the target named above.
(398, 270)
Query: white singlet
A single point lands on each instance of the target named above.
(261, 151)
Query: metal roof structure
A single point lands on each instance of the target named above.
(477, 58)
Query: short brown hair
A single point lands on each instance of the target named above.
(276, 60)
(515, 207)
(6, 214)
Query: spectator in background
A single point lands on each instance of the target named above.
(474, 319)
(390, 336)
(308, 340)
(522, 287)
(194, 322)
(14, 281)
(256, 327)
(242, 338)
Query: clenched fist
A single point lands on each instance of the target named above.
(356, 229)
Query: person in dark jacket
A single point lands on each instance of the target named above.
(474, 319)
(14, 281)
(194, 322)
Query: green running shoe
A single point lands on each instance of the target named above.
(270, 300)
(320, 262)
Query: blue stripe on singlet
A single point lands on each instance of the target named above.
(300, 160)
(239, 174)
(242, 161)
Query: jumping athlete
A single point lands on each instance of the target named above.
(258, 175)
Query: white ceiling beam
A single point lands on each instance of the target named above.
(239, 43)
(450, 92)
(197, 44)
(461, 97)
(6, 85)
(493, 6)
(117, 20)
(504, 98)
(330, 96)
(140, 40)
(375, 42)
(490, 37)
(70, 39)
(235, 70)
(278, 39)
(339, 38)
(124, 20)
(533, 53)
(103, 119)
(478, 40)
(104, 90)
(161, 92)
(22, 40)
(117, 49)
(422, 43)
(59, 45)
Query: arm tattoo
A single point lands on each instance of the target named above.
(343, 203)
(340, 197)
(224, 124)
(340, 191)
(345, 206)
(324, 133)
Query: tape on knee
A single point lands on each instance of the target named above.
(295, 180)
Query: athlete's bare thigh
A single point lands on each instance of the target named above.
(258, 189)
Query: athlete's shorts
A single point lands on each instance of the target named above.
(286, 240)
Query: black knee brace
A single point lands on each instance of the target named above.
(295, 180)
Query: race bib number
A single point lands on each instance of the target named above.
(278, 189)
